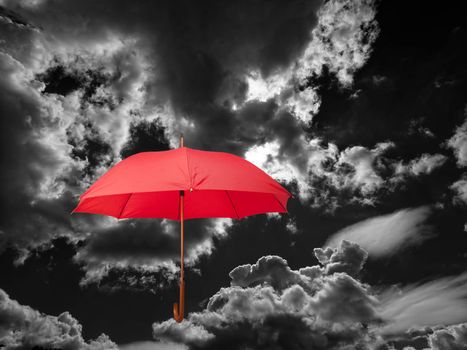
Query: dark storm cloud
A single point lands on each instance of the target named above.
(23, 328)
(145, 136)
(58, 81)
(62, 135)
(16, 19)
(65, 78)
(93, 83)
(138, 246)
(24, 156)
(85, 89)
(205, 34)
(89, 147)
(199, 49)
(44, 161)
(270, 305)
(99, 90)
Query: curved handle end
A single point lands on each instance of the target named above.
(177, 315)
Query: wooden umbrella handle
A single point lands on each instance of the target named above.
(179, 311)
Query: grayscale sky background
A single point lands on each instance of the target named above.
(357, 107)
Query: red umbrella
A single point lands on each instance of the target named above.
(181, 184)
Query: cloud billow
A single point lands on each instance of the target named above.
(126, 82)
(270, 305)
(22, 328)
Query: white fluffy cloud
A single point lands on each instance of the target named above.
(387, 234)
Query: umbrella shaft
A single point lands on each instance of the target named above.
(182, 237)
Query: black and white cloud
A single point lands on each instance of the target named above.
(388, 234)
(124, 82)
(357, 107)
(22, 327)
(270, 305)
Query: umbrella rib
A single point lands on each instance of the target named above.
(188, 168)
(123, 208)
(231, 202)
(279, 202)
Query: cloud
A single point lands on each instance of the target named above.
(34, 174)
(145, 251)
(425, 164)
(328, 177)
(387, 234)
(272, 269)
(89, 96)
(85, 109)
(151, 345)
(22, 327)
(363, 162)
(270, 305)
(342, 40)
(58, 149)
(343, 299)
(458, 143)
(194, 68)
(354, 169)
(124, 82)
(349, 258)
(185, 332)
(449, 338)
(441, 301)
(460, 188)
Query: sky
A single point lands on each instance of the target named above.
(357, 107)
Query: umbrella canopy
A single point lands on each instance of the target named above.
(181, 184)
(215, 184)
